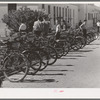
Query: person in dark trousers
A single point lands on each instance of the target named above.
(84, 29)
(68, 25)
(80, 22)
(46, 26)
(64, 25)
(38, 27)
(58, 29)
(98, 25)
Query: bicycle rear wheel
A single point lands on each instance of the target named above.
(45, 59)
(66, 48)
(35, 62)
(16, 67)
(59, 49)
(52, 54)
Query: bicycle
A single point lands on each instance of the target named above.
(13, 63)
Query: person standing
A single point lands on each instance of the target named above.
(84, 29)
(46, 26)
(37, 27)
(22, 27)
(64, 25)
(58, 29)
(80, 22)
(68, 25)
(98, 25)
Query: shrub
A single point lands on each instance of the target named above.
(14, 18)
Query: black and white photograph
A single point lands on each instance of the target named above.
(50, 45)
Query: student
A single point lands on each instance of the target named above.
(84, 28)
(64, 25)
(22, 27)
(98, 25)
(38, 27)
(46, 25)
(68, 25)
(58, 29)
(80, 22)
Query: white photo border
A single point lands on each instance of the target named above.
(43, 93)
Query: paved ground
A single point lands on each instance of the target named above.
(79, 69)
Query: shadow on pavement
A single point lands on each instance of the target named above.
(63, 65)
(85, 51)
(39, 81)
(94, 44)
(68, 58)
(58, 70)
(75, 55)
(50, 74)
(75, 52)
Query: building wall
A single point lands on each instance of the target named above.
(31, 6)
(72, 13)
(72, 16)
(88, 12)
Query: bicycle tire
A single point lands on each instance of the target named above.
(52, 54)
(35, 61)
(59, 49)
(66, 48)
(45, 59)
(11, 70)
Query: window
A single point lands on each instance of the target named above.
(48, 9)
(59, 11)
(70, 13)
(66, 14)
(11, 7)
(73, 15)
(63, 12)
(90, 16)
(43, 6)
(54, 14)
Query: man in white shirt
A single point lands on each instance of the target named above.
(83, 26)
(58, 29)
(98, 25)
(22, 30)
(37, 27)
(22, 27)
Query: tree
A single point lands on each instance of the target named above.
(14, 18)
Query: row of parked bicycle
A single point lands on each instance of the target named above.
(27, 54)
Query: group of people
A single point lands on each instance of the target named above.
(65, 27)
(42, 25)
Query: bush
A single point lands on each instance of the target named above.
(14, 18)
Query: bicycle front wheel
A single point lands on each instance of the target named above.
(35, 62)
(52, 54)
(16, 67)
